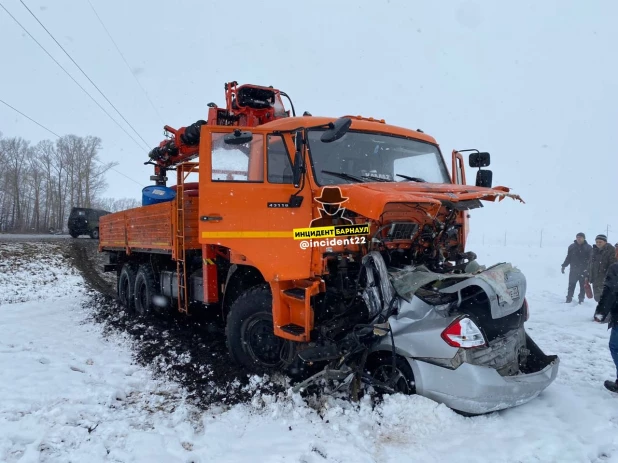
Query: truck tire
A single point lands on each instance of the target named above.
(250, 338)
(126, 286)
(145, 290)
(94, 234)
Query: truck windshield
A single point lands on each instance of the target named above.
(364, 156)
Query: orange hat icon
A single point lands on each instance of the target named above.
(331, 195)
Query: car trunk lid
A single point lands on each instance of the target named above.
(493, 298)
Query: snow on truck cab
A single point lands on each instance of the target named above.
(330, 246)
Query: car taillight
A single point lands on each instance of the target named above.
(526, 310)
(464, 333)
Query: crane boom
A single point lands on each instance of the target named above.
(245, 106)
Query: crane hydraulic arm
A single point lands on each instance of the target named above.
(246, 106)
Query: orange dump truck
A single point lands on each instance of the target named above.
(274, 232)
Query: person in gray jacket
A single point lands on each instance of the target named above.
(578, 258)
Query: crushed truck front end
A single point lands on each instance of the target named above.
(396, 185)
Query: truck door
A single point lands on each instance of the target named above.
(458, 170)
(459, 178)
(244, 202)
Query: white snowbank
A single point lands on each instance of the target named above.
(66, 394)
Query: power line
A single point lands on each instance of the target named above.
(58, 136)
(125, 62)
(126, 176)
(71, 77)
(18, 111)
(84, 73)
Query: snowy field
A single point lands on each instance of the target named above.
(69, 394)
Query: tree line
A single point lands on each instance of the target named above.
(39, 184)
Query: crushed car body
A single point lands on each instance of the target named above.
(458, 338)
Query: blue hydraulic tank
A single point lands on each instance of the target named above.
(154, 194)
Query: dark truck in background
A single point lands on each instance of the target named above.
(85, 221)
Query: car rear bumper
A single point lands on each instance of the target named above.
(478, 389)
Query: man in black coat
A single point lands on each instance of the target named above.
(603, 255)
(578, 257)
(607, 311)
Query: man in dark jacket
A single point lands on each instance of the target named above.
(607, 311)
(603, 255)
(578, 257)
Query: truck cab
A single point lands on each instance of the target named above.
(300, 201)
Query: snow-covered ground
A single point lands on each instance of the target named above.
(67, 393)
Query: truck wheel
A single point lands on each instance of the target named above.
(250, 338)
(145, 290)
(380, 367)
(94, 234)
(126, 286)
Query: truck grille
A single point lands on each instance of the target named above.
(401, 231)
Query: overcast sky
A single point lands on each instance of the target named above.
(533, 83)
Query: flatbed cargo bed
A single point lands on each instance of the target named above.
(150, 228)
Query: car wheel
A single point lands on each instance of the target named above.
(94, 234)
(250, 337)
(400, 378)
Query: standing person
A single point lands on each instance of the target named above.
(603, 255)
(578, 257)
(607, 311)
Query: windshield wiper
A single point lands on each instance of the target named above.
(377, 179)
(345, 176)
(412, 179)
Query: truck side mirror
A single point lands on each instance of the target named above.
(484, 178)
(336, 130)
(298, 170)
(479, 160)
(237, 138)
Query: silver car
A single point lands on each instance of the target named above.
(463, 340)
(456, 338)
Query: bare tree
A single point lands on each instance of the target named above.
(115, 205)
(39, 185)
(15, 150)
